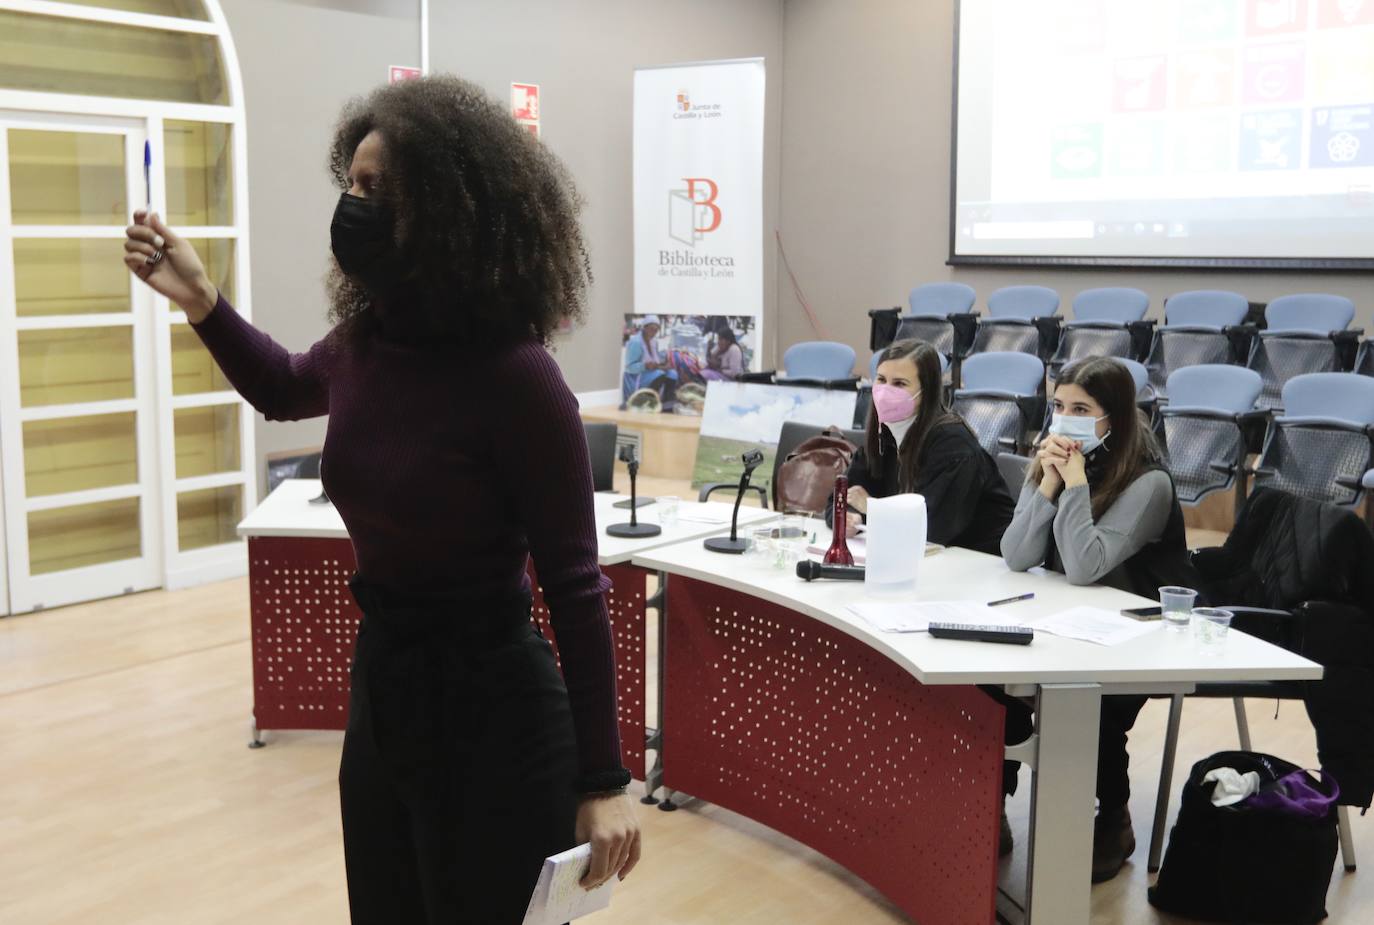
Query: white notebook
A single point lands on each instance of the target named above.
(559, 897)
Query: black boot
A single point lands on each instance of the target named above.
(1004, 842)
(1113, 842)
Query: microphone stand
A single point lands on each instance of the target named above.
(634, 529)
(734, 545)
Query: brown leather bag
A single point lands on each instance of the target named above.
(807, 477)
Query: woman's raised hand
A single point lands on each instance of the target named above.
(177, 273)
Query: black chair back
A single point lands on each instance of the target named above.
(601, 450)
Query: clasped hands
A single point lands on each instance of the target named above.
(1061, 462)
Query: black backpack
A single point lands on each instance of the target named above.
(1245, 866)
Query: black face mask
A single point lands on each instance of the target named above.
(361, 237)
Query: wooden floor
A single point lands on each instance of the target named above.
(129, 795)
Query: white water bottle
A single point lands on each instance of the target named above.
(895, 545)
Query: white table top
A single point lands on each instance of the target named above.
(1157, 658)
(287, 511)
(615, 550)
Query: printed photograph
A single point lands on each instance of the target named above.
(666, 361)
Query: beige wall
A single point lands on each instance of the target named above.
(302, 59)
(866, 94)
(583, 54)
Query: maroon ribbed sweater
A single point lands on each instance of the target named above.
(450, 469)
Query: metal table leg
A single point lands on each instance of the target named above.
(1062, 804)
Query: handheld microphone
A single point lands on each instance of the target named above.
(811, 570)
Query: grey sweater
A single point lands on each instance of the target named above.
(1088, 551)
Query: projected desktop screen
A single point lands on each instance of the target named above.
(1191, 132)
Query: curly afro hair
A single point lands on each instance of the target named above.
(485, 217)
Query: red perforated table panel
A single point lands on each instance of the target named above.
(304, 625)
(807, 730)
(305, 622)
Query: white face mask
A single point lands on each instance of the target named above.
(1080, 428)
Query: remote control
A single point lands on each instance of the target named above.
(1016, 635)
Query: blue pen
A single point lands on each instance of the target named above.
(148, 173)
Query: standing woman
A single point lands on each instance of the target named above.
(457, 251)
(1099, 506)
(913, 444)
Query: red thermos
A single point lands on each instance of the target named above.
(838, 553)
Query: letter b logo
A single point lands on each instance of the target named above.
(708, 200)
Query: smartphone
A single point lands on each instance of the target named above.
(1144, 613)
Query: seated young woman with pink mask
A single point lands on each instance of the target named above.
(915, 445)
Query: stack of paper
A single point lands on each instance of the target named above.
(916, 616)
(1092, 624)
(559, 896)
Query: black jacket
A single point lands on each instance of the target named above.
(1317, 561)
(967, 503)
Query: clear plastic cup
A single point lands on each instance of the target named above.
(1177, 605)
(1210, 629)
(790, 539)
(667, 510)
(761, 549)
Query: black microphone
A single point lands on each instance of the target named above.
(733, 545)
(811, 570)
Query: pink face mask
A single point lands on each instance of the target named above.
(892, 403)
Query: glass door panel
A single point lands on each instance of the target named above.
(218, 256)
(209, 517)
(64, 455)
(200, 174)
(74, 366)
(67, 178)
(77, 437)
(179, 9)
(207, 440)
(193, 369)
(55, 54)
(76, 276)
(69, 538)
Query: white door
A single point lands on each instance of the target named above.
(78, 422)
(4, 557)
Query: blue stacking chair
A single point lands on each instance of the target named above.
(1000, 398)
(1364, 359)
(1305, 333)
(824, 363)
(1323, 444)
(1020, 319)
(941, 314)
(1108, 322)
(1205, 429)
(1202, 326)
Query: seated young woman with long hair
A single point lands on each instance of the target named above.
(1099, 506)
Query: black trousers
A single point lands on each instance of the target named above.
(1118, 715)
(459, 760)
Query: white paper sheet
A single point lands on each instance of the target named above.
(916, 617)
(1092, 624)
(858, 547)
(703, 514)
(559, 897)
